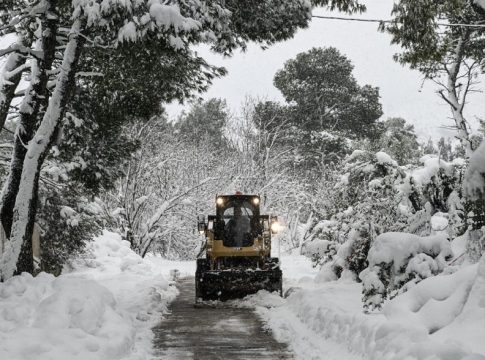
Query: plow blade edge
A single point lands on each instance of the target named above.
(236, 284)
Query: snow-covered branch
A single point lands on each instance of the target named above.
(23, 50)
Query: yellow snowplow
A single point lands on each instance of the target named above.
(237, 251)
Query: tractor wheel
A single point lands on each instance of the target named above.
(202, 266)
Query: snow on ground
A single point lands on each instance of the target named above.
(317, 321)
(297, 270)
(166, 267)
(105, 304)
(103, 307)
(443, 317)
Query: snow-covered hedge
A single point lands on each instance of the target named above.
(364, 204)
(398, 260)
(375, 195)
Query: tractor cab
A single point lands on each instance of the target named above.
(237, 250)
(237, 220)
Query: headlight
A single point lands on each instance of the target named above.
(256, 201)
(275, 227)
(219, 201)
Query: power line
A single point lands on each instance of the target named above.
(382, 21)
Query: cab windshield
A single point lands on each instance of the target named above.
(238, 222)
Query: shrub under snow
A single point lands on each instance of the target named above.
(398, 260)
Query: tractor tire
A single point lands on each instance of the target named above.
(201, 267)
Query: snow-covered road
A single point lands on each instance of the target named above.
(210, 332)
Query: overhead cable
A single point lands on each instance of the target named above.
(382, 21)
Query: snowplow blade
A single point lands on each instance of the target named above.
(235, 284)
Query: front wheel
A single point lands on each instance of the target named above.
(201, 267)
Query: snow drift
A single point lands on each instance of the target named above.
(440, 318)
(103, 308)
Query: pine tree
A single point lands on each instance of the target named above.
(65, 28)
(399, 140)
(450, 56)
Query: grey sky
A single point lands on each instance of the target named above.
(402, 94)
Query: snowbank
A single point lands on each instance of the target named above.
(448, 313)
(441, 318)
(63, 318)
(327, 323)
(103, 308)
(323, 322)
(467, 327)
(320, 323)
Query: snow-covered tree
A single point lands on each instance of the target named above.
(451, 56)
(363, 202)
(64, 30)
(474, 189)
(205, 121)
(320, 85)
(66, 220)
(399, 140)
(160, 191)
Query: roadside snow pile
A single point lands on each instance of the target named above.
(467, 327)
(317, 323)
(441, 309)
(440, 318)
(320, 323)
(103, 309)
(63, 318)
(327, 323)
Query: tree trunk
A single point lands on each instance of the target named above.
(26, 200)
(9, 80)
(31, 109)
(474, 208)
(453, 97)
